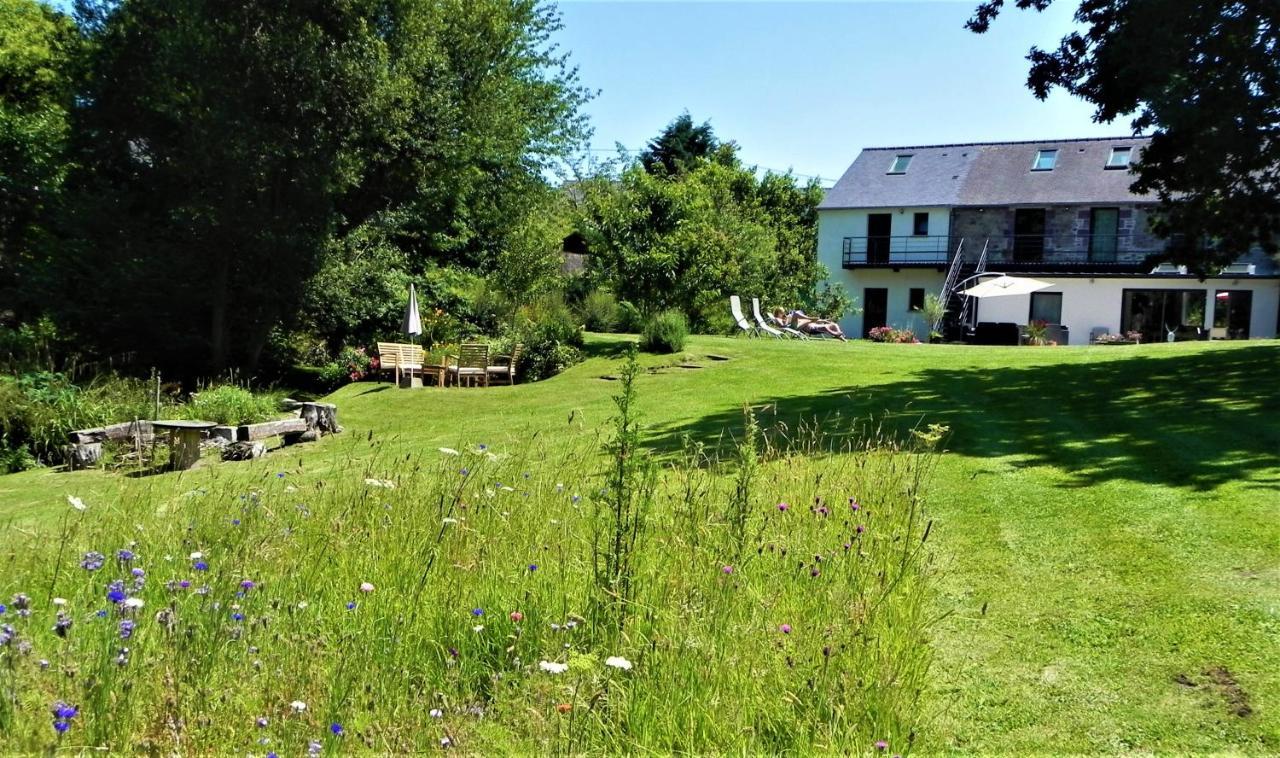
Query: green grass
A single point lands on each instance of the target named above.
(1107, 520)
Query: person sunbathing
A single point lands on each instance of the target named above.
(800, 321)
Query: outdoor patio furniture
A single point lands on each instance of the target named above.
(781, 331)
(1097, 332)
(504, 370)
(992, 333)
(404, 361)
(184, 441)
(735, 305)
(471, 365)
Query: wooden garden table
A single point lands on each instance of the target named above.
(184, 441)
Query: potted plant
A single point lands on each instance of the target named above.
(933, 310)
(1037, 332)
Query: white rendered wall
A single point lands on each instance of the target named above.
(899, 284)
(1089, 303)
(835, 225)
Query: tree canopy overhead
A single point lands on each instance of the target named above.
(1203, 76)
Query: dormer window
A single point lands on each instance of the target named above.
(1045, 160)
(900, 164)
(1120, 157)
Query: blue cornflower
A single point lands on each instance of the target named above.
(63, 711)
(272, 754)
(126, 629)
(3, 608)
(465, 472)
(200, 566)
(116, 596)
(482, 446)
(124, 556)
(247, 584)
(576, 498)
(533, 567)
(185, 584)
(138, 572)
(280, 475)
(60, 726)
(101, 614)
(477, 611)
(237, 617)
(235, 522)
(92, 561)
(351, 606)
(336, 728)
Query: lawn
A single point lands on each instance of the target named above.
(1107, 520)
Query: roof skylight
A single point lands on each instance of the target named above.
(900, 164)
(1045, 160)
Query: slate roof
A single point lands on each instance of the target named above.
(988, 173)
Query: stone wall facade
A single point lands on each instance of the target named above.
(1067, 232)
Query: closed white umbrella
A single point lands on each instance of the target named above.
(1006, 285)
(412, 324)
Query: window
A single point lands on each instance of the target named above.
(915, 299)
(920, 225)
(1045, 160)
(1119, 157)
(1046, 307)
(900, 164)
(1158, 313)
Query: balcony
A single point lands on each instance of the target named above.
(1069, 253)
(897, 252)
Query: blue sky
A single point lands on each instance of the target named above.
(805, 85)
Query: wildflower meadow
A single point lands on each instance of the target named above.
(581, 597)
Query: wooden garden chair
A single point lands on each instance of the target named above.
(471, 365)
(504, 369)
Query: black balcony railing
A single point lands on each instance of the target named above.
(916, 250)
(1073, 252)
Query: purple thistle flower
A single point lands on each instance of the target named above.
(453, 652)
(92, 561)
(727, 569)
(861, 528)
(785, 629)
(882, 745)
(783, 507)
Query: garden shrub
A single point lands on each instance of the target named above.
(665, 332)
(890, 334)
(38, 410)
(551, 336)
(630, 319)
(599, 311)
(230, 405)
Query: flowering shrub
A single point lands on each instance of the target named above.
(889, 334)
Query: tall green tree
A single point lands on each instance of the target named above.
(228, 148)
(1203, 76)
(679, 147)
(37, 50)
(691, 240)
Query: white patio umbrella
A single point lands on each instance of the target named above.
(1006, 285)
(412, 324)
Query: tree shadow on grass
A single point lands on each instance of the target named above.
(1192, 421)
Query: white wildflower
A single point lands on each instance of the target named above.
(59, 601)
(449, 521)
(76, 502)
(618, 662)
(366, 586)
(449, 451)
(478, 628)
(435, 713)
(197, 555)
(551, 667)
(385, 484)
(298, 706)
(134, 602)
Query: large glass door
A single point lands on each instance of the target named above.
(1231, 310)
(1104, 231)
(1157, 314)
(1028, 235)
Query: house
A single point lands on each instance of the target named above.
(906, 221)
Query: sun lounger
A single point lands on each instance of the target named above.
(735, 305)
